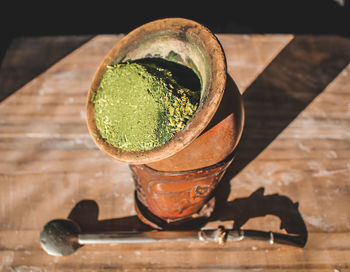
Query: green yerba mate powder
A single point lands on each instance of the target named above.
(140, 106)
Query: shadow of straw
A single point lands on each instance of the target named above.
(241, 210)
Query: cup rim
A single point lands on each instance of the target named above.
(202, 116)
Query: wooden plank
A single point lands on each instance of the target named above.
(296, 147)
(187, 256)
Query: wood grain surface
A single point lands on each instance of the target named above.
(291, 170)
(29, 56)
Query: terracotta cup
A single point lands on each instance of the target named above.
(176, 181)
(178, 40)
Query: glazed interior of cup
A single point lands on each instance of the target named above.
(177, 40)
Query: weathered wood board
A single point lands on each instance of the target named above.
(296, 146)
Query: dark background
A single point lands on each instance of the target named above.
(25, 18)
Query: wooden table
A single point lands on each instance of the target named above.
(295, 149)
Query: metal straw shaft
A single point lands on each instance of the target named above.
(138, 237)
(219, 235)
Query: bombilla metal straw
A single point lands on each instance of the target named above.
(62, 237)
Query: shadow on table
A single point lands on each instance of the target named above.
(285, 88)
(241, 210)
(300, 72)
(85, 214)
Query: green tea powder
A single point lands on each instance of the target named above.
(140, 106)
